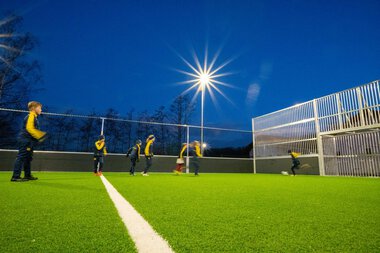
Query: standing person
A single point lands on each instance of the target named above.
(27, 139)
(148, 153)
(180, 161)
(295, 162)
(134, 153)
(99, 152)
(196, 153)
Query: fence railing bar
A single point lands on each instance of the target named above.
(284, 142)
(285, 125)
(130, 121)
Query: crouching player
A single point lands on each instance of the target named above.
(99, 152)
(180, 161)
(28, 138)
(134, 154)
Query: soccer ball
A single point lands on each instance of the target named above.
(285, 173)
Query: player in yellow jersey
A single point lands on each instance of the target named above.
(99, 152)
(196, 153)
(295, 162)
(148, 151)
(180, 161)
(134, 154)
(28, 138)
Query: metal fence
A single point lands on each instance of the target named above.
(352, 154)
(77, 133)
(341, 129)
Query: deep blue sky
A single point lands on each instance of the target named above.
(120, 54)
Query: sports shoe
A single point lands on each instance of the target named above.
(145, 174)
(18, 179)
(30, 178)
(100, 173)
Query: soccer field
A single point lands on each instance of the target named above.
(209, 213)
(60, 212)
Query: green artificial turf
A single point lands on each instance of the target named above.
(258, 213)
(60, 212)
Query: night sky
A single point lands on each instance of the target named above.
(121, 54)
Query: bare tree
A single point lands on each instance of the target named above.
(89, 130)
(181, 111)
(143, 129)
(61, 129)
(161, 131)
(18, 72)
(127, 131)
(113, 130)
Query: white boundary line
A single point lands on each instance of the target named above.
(144, 236)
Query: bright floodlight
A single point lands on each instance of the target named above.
(204, 77)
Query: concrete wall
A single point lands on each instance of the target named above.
(62, 161)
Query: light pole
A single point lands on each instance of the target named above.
(202, 78)
(203, 82)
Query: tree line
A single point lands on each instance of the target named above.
(79, 134)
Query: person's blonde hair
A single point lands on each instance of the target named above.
(33, 104)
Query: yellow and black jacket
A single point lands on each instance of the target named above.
(197, 151)
(183, 149)
(148, 151)
(294, 156)
(134, 152)
(31, 129)
(100, 149)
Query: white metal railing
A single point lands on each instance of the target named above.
(292, 128)
(354, 108)
(303, 127)
(353, 154)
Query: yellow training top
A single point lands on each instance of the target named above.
(184, 147)
(149, 148)
(295, 155)
(31, 128)
(198, 151)
(100, 145)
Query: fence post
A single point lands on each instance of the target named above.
(321, 160)
(338, 103)
(102, 130)
(360, 104)
(253, 146)
(187, 150)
